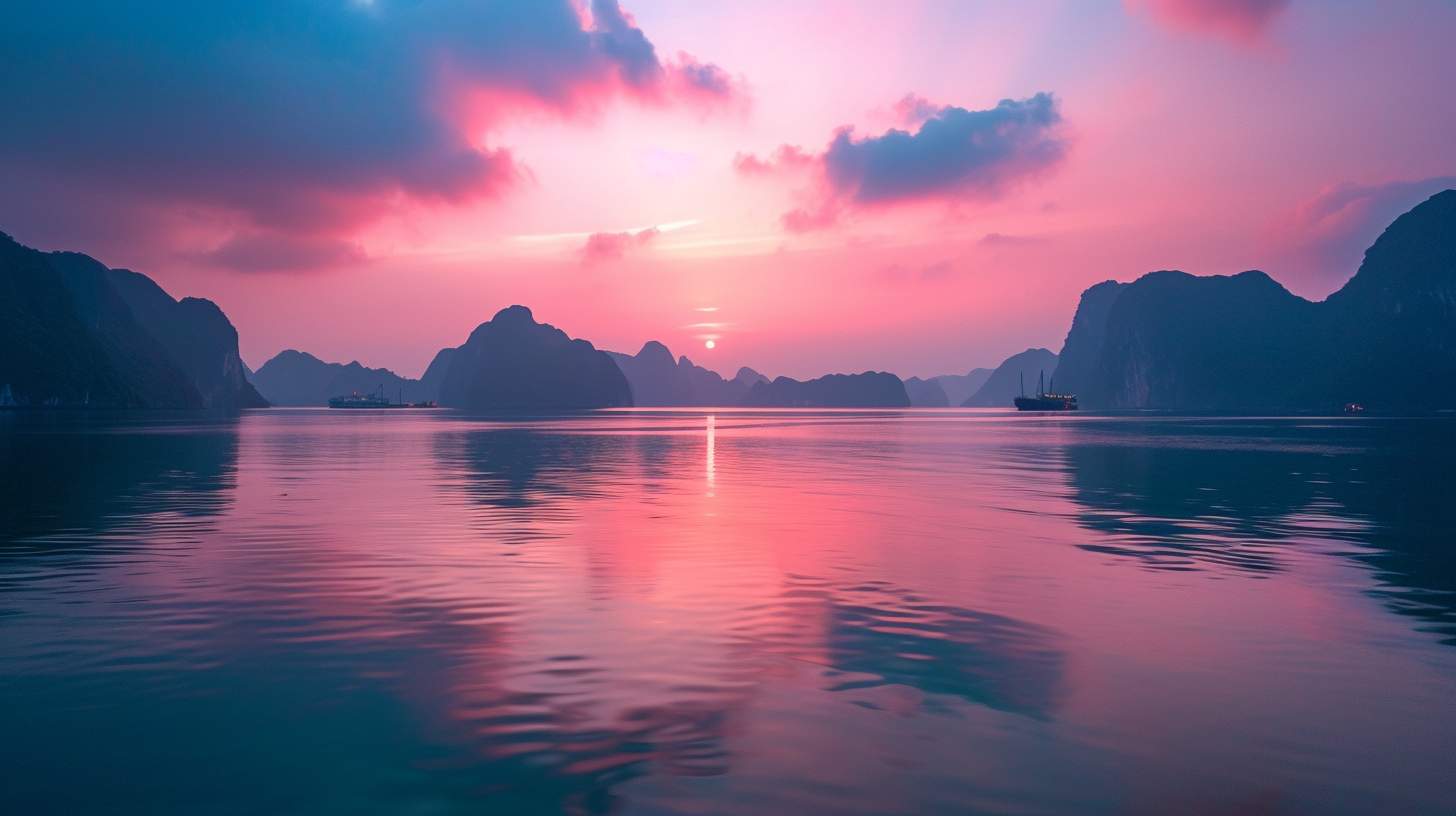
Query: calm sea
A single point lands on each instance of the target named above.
(637, 612)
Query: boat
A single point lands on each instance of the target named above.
(1044, 401)
(357, 400)
(374, 400)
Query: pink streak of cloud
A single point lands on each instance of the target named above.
(260, 251)
(1243, 21)
(785, 158)
(613, 246)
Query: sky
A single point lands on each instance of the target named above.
(815, 187)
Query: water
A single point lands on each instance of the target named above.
(936, 612)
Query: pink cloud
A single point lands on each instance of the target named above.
(281, 252)
(913, 109)
(703, 84)
(1245, 21)
(954, 155)
(612, 246)
(685, 79)
(244, 118)
(786, 157)
(997, 239)
(821, 215)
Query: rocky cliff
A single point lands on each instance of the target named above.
(135, 353)
(1391, 331)
(196, 334)
(1179, 342)
(1082, 352)
(1386, 340)
(513, 362)
(74, 333)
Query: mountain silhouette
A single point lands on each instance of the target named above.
(748, 376)
(659, 381)
(926, 393)
(429, 382)
(198, 336)
(872, 389)
(136, 354)
(1391, 330)
(1082, 352)
(1175, 341)
(1385, 340)
(514, 362)
(1006, 382)
(74, 333)
(959, 387)
(297, 379)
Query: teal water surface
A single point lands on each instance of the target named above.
(639, 612)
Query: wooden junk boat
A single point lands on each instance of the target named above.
(1044, 401)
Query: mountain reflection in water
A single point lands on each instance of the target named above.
(1209, 493)
(72, 471)
(895, 637)
(746, 612)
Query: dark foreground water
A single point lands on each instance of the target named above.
(305, 612)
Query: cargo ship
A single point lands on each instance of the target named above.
(1044, 401)
(374, 400)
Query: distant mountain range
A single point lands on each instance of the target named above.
(515, 362)
(658, 381)
(926, 393)
(1019, 374)
(74, 333)
(872, 389)
(296, 379)
(1385, 340)
(509, 362)
(959, 388)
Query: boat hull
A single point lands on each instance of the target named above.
(357, 403)
(1046, 403)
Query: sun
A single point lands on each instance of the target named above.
(710, 344)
